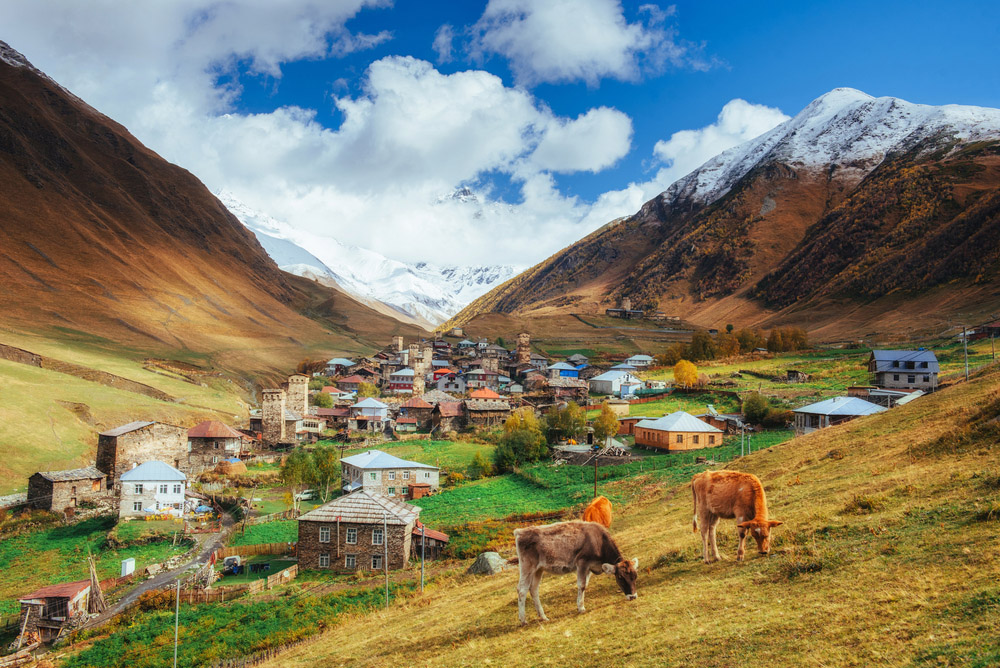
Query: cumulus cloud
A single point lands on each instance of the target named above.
(592, 142)
(579, 40)
(442, 45)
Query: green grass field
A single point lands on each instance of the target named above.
(126, 532)
(282, 531)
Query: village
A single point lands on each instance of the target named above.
(377, 465)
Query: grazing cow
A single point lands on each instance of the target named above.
(731, 495)
(599, 511)
(566, 547)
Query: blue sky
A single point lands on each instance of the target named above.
(253, 96)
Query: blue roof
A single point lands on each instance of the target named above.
(153, 471)
(884, 360)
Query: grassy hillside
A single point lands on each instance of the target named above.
(888, 557)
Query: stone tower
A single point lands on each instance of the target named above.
(272, 416)
(297, 397)
(397, 344)
(523, 348)
(419, 385)
(413, 356)
(627, 303)
(491, 364)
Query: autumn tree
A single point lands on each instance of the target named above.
(774, 342)
(367, 390)
(481, 467)
(750, 339)
(702, 346)
(606, 424)
(322, 400)
(569, 421)
(685, 374)
(672, 355)
(522, 441)
(325, 472)
(755, 407)
(727, 345)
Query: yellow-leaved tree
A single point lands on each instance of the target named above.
(685, 374)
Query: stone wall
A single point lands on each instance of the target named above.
(309, 548)
(46, 494)
(297, 395)
(157, 442)
(13, 354)
(523, 348)
(273, 417)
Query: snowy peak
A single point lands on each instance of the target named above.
(845, 127)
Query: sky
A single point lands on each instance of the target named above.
(361, 119)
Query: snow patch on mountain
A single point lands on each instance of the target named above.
(431, 292)
(844, 127)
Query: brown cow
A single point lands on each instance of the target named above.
(731, 495)
(599, 511)
(566, 547)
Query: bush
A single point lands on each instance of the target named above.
(522, 441)
(755, 408)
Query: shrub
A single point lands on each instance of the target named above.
(755, 408)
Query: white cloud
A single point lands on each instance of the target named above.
(592, 142)
(571, 40)
(442, 45)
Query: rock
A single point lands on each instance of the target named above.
(153, 569)
(487, 563)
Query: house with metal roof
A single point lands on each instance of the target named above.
(125, 447)
(150, 488)
(369, 414)
(358, 531)
(338, 365)
(564, 370)
(904, 369)
(45, 611)
(830, 412)
(610, 382)
(624, 366)
(401, 381)
(677, 431)
(577, 359)
(379, 472)
(58, 490)
(640, 361)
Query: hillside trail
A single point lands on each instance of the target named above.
(205, 545)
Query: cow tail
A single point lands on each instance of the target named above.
(694, 518)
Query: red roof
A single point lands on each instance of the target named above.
(430, 533)
(484, 393)
(352, 379)
(330, 389)
(450, 408)
(213, 429)
(415, 402)
(406, 420)
(443, 371)
(64, 590)
(333, 412)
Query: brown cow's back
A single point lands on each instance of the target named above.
(728, 494)
(599, 511)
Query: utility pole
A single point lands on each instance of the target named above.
(385, 557)
(595, 473)
(993, 345)
(965, 346)
(177, 618)
(423, 552)
(743, 432)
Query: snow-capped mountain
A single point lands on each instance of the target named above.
(424, 291)
(845, 127)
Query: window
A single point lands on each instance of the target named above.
(711, 439)
(405, 491)
(324, 560)
(911, 379)
(694, 439)
(923, 365)
(895, 376)
(138, 488)
(372, 474)
(177, 489)
(163, 489)
(427, 474)
(377, 536)
(895, 363)
(927, 379)
(392, 475)
(351, 561)
(680, 438)
(324, 534)
(376, 562)
(215, 460)
(137, 506)
(352, 536)
(406, 475)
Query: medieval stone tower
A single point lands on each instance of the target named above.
(273, 416)
(627, 303)
(491, 364)
(523, 348)
(397, 344)
(297, 397)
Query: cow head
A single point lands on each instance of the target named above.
(625, 573)
(761, 532)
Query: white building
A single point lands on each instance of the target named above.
(640, 361)
(368, 415)
(152, 487)
(610, 382)
(378, 472)
(832, 412)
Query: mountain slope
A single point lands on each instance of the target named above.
(748, 236)
(423, 292)
(103, 240)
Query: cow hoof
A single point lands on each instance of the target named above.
(581, 610)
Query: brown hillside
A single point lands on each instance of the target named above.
(98, 234)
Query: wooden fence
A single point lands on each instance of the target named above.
(273, 517)
(254, 550)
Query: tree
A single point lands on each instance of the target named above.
(674, 354)
(367, 390)
(749, 340)
(297, 472)
(702, 346)
(522, 441)
(500, 341)
(727, 345)
(323, 400)
(685, 374)
(606, 424)
(755, 407)
(729, 329)
(480, 467)
(325, 470)
(319, 383)
(774, 342)
(570, 421)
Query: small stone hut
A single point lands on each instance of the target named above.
(58, 490)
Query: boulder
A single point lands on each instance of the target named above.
(487, 563)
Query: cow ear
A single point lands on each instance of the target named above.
(635, 562)
(776, 523)
(608, 568)
(745, 525)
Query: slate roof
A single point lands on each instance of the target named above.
(86, 473)
(841, 406)
(415, 402)
(364, 508)
(377, 459)
(62, 590)
(126, 428)
(563, 381)
(437, 396)
(450, 408)
(486, 405)
(213, 429)
(153, 471)
(678, 421)
(885, 358)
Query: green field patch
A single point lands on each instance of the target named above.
(281, 531)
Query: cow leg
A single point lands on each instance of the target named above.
(523, 586)
(582, 580)
(705, 533)
(535, 581)
(743, 541)
(711, 532)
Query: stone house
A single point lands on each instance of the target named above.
(152, 487)
(338, 365)
(350, 384)
(379, 472)
(57, 490)
(677, 431)
(356, 532)
(418, 410)
(904, 369)
(46, 611)
(486, 412)
(569, 389)
(124, 448)
(452, 382)
(482, 378)
(832, 412)
(448, 416)
(211, 441)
